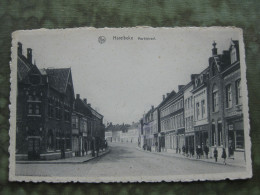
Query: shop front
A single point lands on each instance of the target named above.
(236, 143)
(201, 135)
(189, 143)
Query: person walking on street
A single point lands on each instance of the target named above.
(206, 150)
(224, 155)
(215, 154)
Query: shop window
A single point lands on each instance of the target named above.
(228, 96)
(240, 139)
(215, 98)
(238, 92)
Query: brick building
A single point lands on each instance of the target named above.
(234, 126)
(44, 106)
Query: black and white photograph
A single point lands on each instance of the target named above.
(129, 105)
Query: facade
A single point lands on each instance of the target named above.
(189, 116)
(200, 107)
(148, 122)
(81, 127)
(131, 135)
(44, 107)
(216, 100)
(141, 133)
(172, 121)
(108, 136)
(205, 112)
(234, 127)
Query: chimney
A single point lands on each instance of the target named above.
(180, 87)
(85, 100)
(20, 48)
(163, 97)
(78, 96)
(29, 55)
(214, 50)
(152, 107)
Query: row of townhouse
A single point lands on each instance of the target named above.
(205, 112)
(50, 122)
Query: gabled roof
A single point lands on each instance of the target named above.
(23, 67)
(58, 78)
(81, 107)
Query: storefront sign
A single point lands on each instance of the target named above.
(201, 128)
(231, 127)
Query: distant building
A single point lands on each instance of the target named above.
(172, 121)
(108, 136)
(44, 107)
(188, 116)
(131, 135)
(148, 123)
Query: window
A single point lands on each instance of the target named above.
(203, 110)
(233, 55)
(37, 109)
(75, 122)
(238, 92)
(228, 96)
(198, 110)
(239, 139)
(30, 109)
(215, 98)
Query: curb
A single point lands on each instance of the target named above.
(67, 162)
(193, 159)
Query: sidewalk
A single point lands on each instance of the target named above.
(229, 162)
(72, 160)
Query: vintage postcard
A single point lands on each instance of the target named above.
(129, 105)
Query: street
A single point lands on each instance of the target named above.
(124, 159)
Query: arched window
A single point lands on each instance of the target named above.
(214, 98)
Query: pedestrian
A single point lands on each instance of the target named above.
(198, 152)
(215, 154)
(156, 146)
(224, 155)
(183, 150)
(206, 150)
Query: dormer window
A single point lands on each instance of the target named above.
(233, 55)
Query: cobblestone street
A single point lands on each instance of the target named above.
(126, 160)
